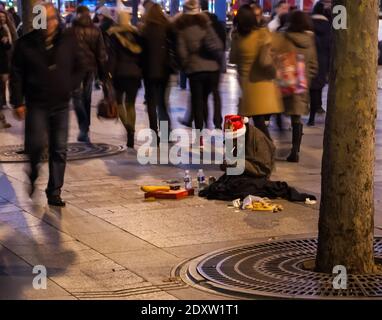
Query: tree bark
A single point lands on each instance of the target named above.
(27, 14)
(346, 225)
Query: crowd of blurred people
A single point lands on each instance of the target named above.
(50, 67)
(9, 21)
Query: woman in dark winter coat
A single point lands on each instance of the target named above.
(156, 65)
(125, 65)
(200, 52)
(322, 32)
(298, 38)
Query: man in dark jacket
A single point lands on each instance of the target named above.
(45, 70)
(93, 53)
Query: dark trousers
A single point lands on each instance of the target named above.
(82, 98)
(201, 86)
(156, 98)
(126, 90)
(48, 127)
(3, 89)
(315, 103)
(259, 122)
(217, 101)
(182, 80)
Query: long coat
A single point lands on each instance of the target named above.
(199, 48)
(302, 43)
(156, 51)
(259, 92)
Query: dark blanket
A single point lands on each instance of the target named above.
(233, 187)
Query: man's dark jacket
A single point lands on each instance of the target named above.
(91, 45)
(45, 78)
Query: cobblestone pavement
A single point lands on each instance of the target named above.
(109, 243)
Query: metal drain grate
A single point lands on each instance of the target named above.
(76, 151)
(274, 269)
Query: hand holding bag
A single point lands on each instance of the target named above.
(107, 107)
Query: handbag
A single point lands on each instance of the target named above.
(107, 107)
(291, 76)
(266, 61)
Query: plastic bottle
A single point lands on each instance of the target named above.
(187, 180)
(201, 179)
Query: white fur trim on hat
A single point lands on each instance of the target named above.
(231, 134)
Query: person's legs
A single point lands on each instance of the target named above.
(3, 121)
(188, 116)
(132, 87)
(183, 80)
(259, 122)
(151, 87)
(217, 100)
(208, 82)
(81, 113)
(315, 104)
(196, 88)
(58, 138)
(163, 113)
(87, 96)
(36, 131)
(119, 93)
(3, 90)
(297, 132)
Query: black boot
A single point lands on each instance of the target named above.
(296, 142)
(33, 175)
(279, 122)
(56, 201)
(312, 117)
(130, 139)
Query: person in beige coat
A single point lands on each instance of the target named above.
(260, 95)
(298, 38)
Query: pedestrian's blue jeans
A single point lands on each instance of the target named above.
(47, 127)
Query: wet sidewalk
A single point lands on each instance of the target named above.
(109, 243)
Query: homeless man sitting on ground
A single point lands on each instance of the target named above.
(259, 164)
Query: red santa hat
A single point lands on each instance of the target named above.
(234, 126)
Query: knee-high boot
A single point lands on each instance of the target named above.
(297, 129)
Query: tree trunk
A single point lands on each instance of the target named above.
(346, 225)
(27, 14)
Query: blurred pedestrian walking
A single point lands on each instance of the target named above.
(220, 30)
(200, 52)
(251, 52)
(5, 46)
(156, 65)
(8, 36)
(322, 32)
(46, 67)
(125, 62)
(299, 39)
(281, 8)
(93, 54)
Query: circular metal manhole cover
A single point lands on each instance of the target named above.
(76, 151)
(275, 270)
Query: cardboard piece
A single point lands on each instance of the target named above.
(172, 194)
